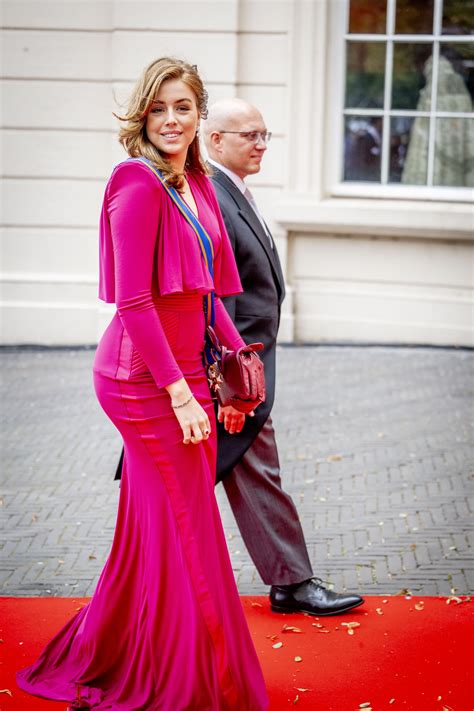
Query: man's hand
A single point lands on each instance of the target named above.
(233, 419)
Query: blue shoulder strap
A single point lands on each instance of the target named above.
(204, 241)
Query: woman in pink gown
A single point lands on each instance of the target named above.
(165, 630)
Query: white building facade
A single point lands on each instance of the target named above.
(367, 182)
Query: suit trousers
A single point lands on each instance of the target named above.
(266, 515)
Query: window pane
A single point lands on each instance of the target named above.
(456, 77)
(409, 150)
(368, 17)
(362, 148)
(454, 152)
(414, 17)
(409, 78)
(365, 74)
(458, 17)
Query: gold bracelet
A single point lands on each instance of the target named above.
(183, 404)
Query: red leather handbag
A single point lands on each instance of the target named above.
(236, 378)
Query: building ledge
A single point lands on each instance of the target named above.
(401, 218)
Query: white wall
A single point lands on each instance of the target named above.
(366, 289)
(67, 65)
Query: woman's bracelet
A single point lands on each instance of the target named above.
(183, 404)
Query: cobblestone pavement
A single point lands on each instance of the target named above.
(376, 447)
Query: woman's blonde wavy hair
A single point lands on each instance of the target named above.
(133, 135)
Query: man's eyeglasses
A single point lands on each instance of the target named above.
(253, 136)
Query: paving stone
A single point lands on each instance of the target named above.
(376, 446)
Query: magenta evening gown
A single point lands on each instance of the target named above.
(165, 629)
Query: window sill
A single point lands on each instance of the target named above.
(401, 218)
(396, 191)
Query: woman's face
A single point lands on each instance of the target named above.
(172, 121)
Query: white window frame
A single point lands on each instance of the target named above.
(336, 112)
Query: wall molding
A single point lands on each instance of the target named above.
(451, 222)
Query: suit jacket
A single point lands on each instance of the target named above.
(255, 312)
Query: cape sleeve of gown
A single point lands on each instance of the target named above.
(133, 204)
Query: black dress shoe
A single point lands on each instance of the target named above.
(311, 597)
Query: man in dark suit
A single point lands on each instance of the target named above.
(236, 139)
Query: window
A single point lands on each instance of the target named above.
(408, 95)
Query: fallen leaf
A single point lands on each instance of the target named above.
(6, 691)
(379, 611)
(274, 636)
(350, 625)
(453, 598)
(34, 518)
(256, 604)
(392, 701)
(92, 557)
(365, 705)
(420, 606)
(320, 627)
(288, 628)
(277, 645)
(301, 689)
(334, 458)
(297, 698)
(60, 561)
(384, 602)
(298, 659)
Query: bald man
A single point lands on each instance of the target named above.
(236, 139)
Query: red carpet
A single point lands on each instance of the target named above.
(412, 654)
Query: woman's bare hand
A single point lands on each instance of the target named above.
(191, 416)
(194, 422)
